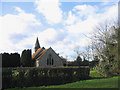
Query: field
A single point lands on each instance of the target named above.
(99, 82)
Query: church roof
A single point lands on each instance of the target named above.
(39, 53)
(42, 53)
(36, 52)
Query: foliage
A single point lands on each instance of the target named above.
(94, 63)
(95, 73)
(111, 83)
(95, 83)
(85, 62)
(78, 62)
(26, 58)
(10, 60)
(105, 44)
(15, 73)
(25, 76)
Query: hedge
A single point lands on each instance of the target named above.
(32, 76)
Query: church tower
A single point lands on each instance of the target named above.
(37, 45)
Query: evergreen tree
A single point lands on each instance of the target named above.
(23, 57)
(26, 58)
(85, 62)
(78, 61)
(10, 60)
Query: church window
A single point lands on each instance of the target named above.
(52, 61)
(49, 60)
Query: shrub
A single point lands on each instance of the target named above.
(32, 76)
(10, 60)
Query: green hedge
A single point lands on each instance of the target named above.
(32, 76)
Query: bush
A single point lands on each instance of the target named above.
(26, 58)
(109, 69)
(10, 60)
(32, 76)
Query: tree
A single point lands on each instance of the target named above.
(79, 61)
(10, 60)
(23, 58)
(94, 62)
(26, 58)
(105, 45)
(85, 62)
(87, 53)
(29, 58)
(15, 59)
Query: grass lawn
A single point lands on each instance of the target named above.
(93, 83)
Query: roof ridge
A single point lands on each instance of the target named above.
(37, 52)
(43, 52)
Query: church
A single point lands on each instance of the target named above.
(45, 57)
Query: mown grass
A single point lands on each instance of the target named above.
(93, 83)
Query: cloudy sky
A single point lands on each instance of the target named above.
(57, 24)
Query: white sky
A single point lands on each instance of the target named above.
(53, 23)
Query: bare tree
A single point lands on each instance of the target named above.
(105, 45)
(103, 39)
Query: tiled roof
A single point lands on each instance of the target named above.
(36, 52)
(42, 53)
(39, 52)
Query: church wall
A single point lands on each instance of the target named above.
(43, 60)
(56, 59)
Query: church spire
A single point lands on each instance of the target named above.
(37, 45)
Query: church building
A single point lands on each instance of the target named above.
(45, 57)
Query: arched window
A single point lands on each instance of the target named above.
(52, 61)
(49, 60)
